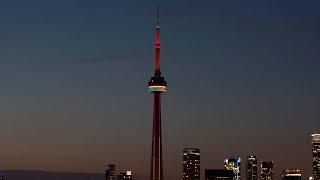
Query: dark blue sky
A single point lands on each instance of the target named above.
(243, 79)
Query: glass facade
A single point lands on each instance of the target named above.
(252, 168)
(316, 156)
(234, 164)
(191, 164)
(267, 170)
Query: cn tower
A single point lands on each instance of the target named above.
(157, 85)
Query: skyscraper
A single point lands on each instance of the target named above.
(157, 85)
(316, 156)
(267, 170)
(219, 174)
(233, 164)
(110, 172)
(291, 174)
(252, 168)
(191, 164)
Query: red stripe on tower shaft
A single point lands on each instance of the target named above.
(157, 47)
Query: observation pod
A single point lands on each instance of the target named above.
(157, 84)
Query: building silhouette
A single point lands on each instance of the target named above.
(267, 170)
(125, 176)
(291, 174)
(2, 176)
(233, 164)
(218, 174)
(191, 164)
(110, 172)
(252, 168)
(157, 86)
(315, 156)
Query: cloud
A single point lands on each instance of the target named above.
(107, 58)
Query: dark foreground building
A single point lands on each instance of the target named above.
(315, 156)
(110, 172)
(191, 164)
(234, 164)
(2, 176)
(219, 174)
(252, 168)
(291, 174)
(125, 176)
(45, 175)
(267, 170)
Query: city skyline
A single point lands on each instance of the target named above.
(239, 73)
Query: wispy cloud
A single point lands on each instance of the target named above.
(107, 58)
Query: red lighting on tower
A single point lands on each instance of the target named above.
(157, 85)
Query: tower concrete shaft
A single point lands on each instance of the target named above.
(156, 159)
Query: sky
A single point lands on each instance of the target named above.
(243, 78)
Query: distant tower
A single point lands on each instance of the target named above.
(291, 174)
(110, 172)
(252, 168)
(267, 170)
(191, 164)
(315, 156)
(157, 85)
(233, 164)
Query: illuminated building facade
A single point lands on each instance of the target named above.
(267, 170)
(218, 174)
(191, 164)
(110, 172)
(252, 168)
(125, 176)
(291, 174)
(233, 164)
(315, 156)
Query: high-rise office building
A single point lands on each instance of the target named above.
(233, 164)
(125, 176)
(110, 172)
(252, 168)
(267, 170)
(315, 156)
(291, 174)
(191, 164)
(218, 174)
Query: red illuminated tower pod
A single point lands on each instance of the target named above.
(157, 85)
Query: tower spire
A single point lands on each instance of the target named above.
(157, 43)
(157, 15)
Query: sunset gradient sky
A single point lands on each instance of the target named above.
(243, 78)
